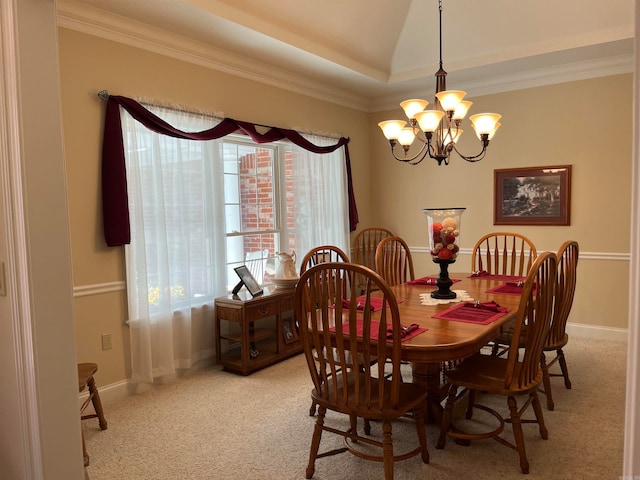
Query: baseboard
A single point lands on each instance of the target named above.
(597, 332)
(114, 392)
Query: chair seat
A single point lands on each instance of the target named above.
(411, 395)
(554, 346)
(487, 373)
(86, 371)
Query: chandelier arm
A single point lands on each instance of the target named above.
(473, 158)
(416, 159)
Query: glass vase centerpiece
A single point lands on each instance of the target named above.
(444, 243)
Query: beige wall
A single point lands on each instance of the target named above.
(387, 192)
(89, 64)
(552, 125)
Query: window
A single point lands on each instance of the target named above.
(200, 208)
(195, 208)
(253, 202)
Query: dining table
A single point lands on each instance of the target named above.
(449, 339)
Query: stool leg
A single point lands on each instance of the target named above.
(97, 404)
(84, 449)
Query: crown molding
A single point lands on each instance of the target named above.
(91, 21)
(88, 20)
(488, 85)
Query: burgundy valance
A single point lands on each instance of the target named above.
(115, 207)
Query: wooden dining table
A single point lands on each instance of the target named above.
(448, 340)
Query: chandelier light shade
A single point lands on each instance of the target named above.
(439, 127)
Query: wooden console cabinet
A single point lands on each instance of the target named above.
(253, 333)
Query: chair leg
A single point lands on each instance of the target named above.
(446, 416)
(517, 434)
(97, 404)
(84, 449)
(315, 442)
(471, 403)
(387, 450)
(546, 381)
(367, 427)
(537, 408)
(312, 409)
(563, 367)
(418, 417)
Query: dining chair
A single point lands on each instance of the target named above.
(393, 261)
(567, 257)
(322, 254)
(365, 244)
(503, 253)
(511, 377)
(315, 256)
(565, 289)
(86, 371)
(350, 382)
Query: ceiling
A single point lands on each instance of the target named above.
(368, 54)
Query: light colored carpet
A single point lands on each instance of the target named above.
(217, 425)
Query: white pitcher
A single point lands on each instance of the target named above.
(286, 265)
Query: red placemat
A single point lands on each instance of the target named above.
(509, 288)
(375, 302)
(427, 281)
(490, 276)
(411, 330)
(482, 314)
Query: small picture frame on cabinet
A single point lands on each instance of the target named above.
(248, 281)
(289, 332)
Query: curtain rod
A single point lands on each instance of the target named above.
(104, 96)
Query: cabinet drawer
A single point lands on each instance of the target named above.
(229, 313)
(262, 311)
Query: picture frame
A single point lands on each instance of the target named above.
(248, 281)
(532, 196)
(289, 332)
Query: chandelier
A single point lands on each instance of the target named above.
(438, 129)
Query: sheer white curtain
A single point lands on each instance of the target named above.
(320, 197)
(176, 260)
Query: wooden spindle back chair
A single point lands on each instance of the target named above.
(566, 286)
(393, 261)
(513, 376)
(503, 253)
(316, 256)
(322, 254)
(365, 244)
(351, 381)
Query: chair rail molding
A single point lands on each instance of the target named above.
(98, 288)
(606, 256)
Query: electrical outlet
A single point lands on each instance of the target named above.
(106, 341)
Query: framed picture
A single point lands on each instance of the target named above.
(248, 281)
(532, 196)
(289, 332)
